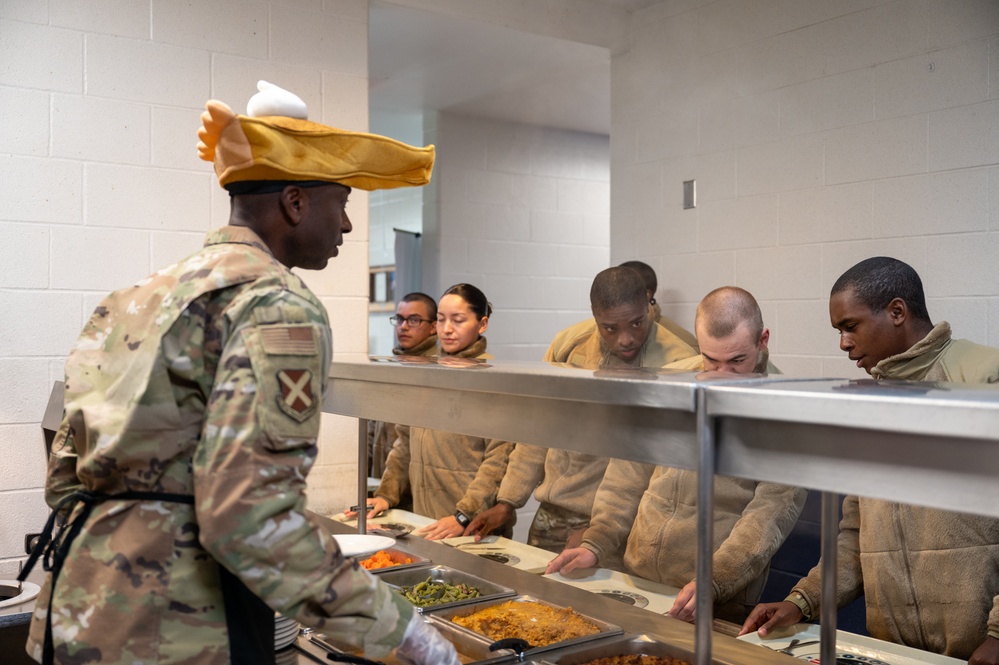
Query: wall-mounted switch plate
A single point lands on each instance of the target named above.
(689, 194)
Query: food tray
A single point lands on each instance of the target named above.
(488, 590)
(443, 622)
(639, 644)
(471, 648)
(400, 555)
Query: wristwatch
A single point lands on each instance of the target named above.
(463, 519)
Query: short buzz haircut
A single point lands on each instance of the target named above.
(725, 309)
(877, 281)
(417, 296)
(615, 287)
(647, 273)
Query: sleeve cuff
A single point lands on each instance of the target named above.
(802, 604)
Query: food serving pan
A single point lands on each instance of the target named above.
(442, 620)
(471, 648)
(444, 574)
(399, 556)
(638, 645)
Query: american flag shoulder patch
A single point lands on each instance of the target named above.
(289, 340)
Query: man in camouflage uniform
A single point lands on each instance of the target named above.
(191, 418)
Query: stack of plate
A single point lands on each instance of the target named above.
(285, 631)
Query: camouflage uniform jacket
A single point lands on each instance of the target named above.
(445, 471)
(203, 379)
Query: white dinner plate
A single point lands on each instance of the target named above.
(356, 544)
(284, 642)
(850, 648)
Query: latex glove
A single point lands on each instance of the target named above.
(423, 645)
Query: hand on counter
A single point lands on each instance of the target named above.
(987, 653)
(446, 527)
(376, 507)
(489, 520)
(569, 560)
(685, 605)
(767, 616)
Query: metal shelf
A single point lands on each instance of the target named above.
(931, 444)
(637, 414)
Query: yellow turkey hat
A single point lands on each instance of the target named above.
(276, 146)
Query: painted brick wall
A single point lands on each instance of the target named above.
(521, 212)
(819, 133)
(100, 183)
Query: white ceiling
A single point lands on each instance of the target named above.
(427, 61)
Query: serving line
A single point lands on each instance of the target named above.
(632, 620)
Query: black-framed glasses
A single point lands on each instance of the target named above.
(413, 321)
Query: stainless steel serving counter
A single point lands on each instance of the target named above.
(631, 619)
(648, 414)
(931, 444)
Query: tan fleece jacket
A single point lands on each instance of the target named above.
(930, 578)
(381, 435)
(564, 478)
(651, 512)
(445, 471)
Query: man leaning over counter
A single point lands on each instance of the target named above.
(191, 418)
(930, 578)
(623, 334)
(653, 509)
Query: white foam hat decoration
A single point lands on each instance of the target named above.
(275, 100)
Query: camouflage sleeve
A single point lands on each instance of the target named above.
(258, 444)
(395, 478)
(62, 479)
(481, 492)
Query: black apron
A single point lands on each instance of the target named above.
(249, 620)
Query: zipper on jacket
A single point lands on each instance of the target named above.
(897, 510)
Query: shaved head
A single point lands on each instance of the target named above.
(615, 287)
(722, 311)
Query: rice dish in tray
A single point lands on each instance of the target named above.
(538, 624)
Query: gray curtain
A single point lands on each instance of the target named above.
(408, 263)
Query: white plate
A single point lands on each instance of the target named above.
(282, 643)
(849, 647)
(356, 544)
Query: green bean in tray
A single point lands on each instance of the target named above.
(429, 593)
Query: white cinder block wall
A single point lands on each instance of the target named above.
(100, 184)
(521, 212)
(819, 134)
